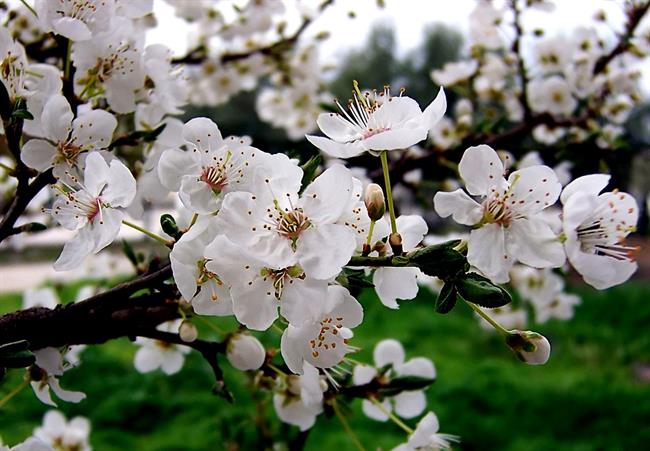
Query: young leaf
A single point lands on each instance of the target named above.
(479, 290)
(447, 298)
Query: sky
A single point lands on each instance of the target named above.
(409, 18)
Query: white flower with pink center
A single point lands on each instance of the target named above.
(377, 122)
(507, 222)
(77, 20)
(282, 228)
(595, 227)
(92, 208)
(66, 139)
(324, 342)
(258, 289)
(210, 168)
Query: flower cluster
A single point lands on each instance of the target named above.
(284, 245)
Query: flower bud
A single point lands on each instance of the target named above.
(374, 200)
(188, 332)
(245, 352)
(530, 347)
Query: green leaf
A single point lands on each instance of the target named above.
(354, 280)
(481, 291)
(16, 355)
(440, 260)
(405, 383)
(168, 224)
(309, 171)
(14, 346)
(20, 359)
(447, 298)
(22, 114)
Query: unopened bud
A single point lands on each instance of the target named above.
(374, 200)
(188, 332)
(530, 347)
(245, 352)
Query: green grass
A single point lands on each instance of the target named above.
(586, 398)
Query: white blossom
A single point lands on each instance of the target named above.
(155, 354)
(66, 138)
(595, 226)
(507, 222)
(210, 168)
(50, 362)
(407, 404)
(376, 123)
(426, 436)
(92, 210)
(301, 400)
(282, 228)
(323, 343)
(62, 434)
(77, 20)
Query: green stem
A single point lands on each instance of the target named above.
(389, 193)
(371, 229)
(32, 10)
(392, 416)
(13, 393)
(277, 370)
(9, 169)
(499, 328)
(346, 425)
(66, 73)
(158, 238)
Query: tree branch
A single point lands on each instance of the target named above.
(108, 315)
(634, 16)
(198, 55)
(24, 195)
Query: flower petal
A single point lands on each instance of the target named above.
(38, 154)
(395, 283)
(462, 208)
(336, 149)
(481, 170)
(535, 244)
(336, 127)
(589, 184)
(487, 252)
(388, 351)
(410, 404)
(435, 111)
(324, 250)
(325, 198)
(173, 165)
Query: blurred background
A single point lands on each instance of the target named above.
(594, 394)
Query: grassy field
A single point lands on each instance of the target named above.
(591, 395)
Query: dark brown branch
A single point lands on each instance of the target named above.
(108, 315)
(24, 195)
(521, 67)
(198, 55)
(634, 16)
